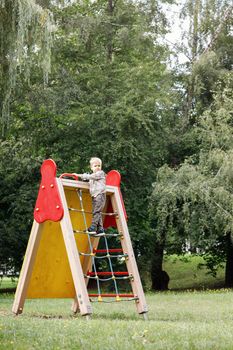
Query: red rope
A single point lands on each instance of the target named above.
(112, 295)
(107, 251)
(108, 273)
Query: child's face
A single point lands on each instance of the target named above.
(96, 167)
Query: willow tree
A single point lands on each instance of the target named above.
(195, 202)
(206, 44)
(25, 40)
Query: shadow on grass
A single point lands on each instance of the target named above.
(7, 290)
(200, 288)
(95, 316)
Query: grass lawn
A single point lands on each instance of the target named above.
(176, 320)
(183, 271)
(8, 283)
(185, 274)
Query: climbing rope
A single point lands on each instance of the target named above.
(107, 254)
(90, 212)
(89, 240)
(93, 234)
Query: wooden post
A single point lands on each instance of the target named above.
(27, 268)
(127, 248)
(81, 297)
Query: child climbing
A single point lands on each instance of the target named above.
(97, 182)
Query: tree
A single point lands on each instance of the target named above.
(195, 201)
(207, 49)
(123, 93)
(206, 45)
(108, 95)
(25, 28)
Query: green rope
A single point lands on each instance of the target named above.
(89, 241)
(108, 256)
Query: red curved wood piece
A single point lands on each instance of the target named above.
(48, 204)
(67, 175)
(113, 178)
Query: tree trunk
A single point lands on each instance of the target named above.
(229, 262)
(159, 278)
(110, 34)
(194, 30)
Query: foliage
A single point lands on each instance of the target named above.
(25, 28)
(189, 272)
(109, 95)
(16, 199)
(204, 18)
(195, 201)
(206, 46)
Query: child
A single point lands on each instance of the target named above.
(98, 193)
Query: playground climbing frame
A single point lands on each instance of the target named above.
(61, 254)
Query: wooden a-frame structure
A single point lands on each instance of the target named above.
(55, 264)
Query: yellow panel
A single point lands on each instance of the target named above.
(51, 275)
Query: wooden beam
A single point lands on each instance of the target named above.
(127, 248)
(27, 268)
(81, 297)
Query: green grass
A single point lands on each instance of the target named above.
(8, 283)
(184, 320)
(183, 271)
(185, 274)
(176, 320)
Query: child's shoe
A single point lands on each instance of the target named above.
(92, 228)
(100, 230)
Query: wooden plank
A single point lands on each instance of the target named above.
(84, 185)
(81, 297)
(127, 248)
(27, 268)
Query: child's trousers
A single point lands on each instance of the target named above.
(98, 204)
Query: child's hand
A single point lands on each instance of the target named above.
(85, 177)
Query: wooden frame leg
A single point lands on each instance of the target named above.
(27, 268)
(127, 247)
(82, 298)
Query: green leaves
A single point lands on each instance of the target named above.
(195, 201)
(25, 33)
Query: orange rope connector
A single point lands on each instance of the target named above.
(100, 298)
(118, 298)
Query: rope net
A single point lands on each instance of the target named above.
(104, 256)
